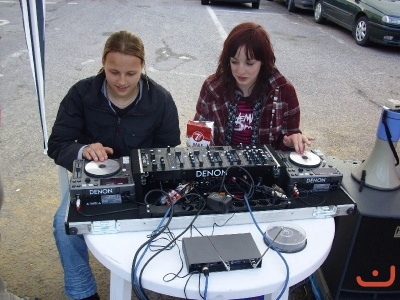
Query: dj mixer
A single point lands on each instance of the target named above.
(204, 166)
(223, 179)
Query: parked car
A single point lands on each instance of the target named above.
(254, 3)
(292, 5)
(369, 20)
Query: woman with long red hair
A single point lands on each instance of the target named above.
(247, 98)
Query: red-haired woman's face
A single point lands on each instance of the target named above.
(244, 70)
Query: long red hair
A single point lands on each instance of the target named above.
(258, 46)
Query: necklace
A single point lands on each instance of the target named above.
(124, 105)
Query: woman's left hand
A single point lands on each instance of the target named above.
(298, 142)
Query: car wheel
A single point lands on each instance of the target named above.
(361, 31)
(255, 5)
(318, 13)
(291, 7)
(205, 2)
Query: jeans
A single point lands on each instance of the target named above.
(79, 281)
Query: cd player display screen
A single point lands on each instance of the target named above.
(113, 181)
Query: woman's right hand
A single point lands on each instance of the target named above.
(298, 142)
(96, 152)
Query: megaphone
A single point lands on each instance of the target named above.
(398, 170)
(381, 169)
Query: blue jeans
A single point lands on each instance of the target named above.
(79, 281)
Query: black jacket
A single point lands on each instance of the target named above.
(85, 117)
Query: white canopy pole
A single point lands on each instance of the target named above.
(33, 14)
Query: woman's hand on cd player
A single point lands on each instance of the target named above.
(96, 152)
(298, 142)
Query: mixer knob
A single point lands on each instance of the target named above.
(162, 162)
(154, 165)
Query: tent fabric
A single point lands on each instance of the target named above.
(33, 15)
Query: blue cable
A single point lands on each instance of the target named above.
(314, 287)
(271, 245)
(135, 278)
(206, 288)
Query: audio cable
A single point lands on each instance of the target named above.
(136, 280)
(136, 286)
(206, 273)
(272, 246)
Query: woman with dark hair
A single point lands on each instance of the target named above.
(101, 117)
(247, 98)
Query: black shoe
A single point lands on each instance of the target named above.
(93, 297)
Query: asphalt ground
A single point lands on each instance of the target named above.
(341, 88)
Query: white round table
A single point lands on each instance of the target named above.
(116, 252)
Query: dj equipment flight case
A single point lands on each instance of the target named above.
(134, 193)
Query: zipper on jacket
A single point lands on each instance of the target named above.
(271, 123)
(118, 126)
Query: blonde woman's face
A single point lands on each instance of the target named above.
(122, 73)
